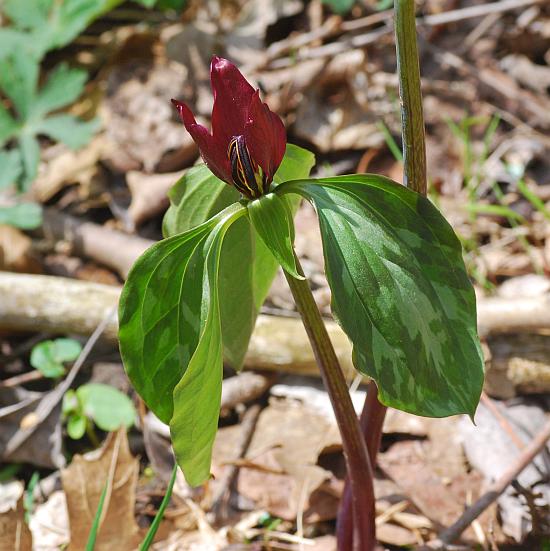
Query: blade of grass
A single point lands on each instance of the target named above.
(97, 519)
(160, 513)
(537, 203)
(390, 142)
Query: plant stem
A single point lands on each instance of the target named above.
(355, 449)
(414, 176)
(412, 118)
(371, 422)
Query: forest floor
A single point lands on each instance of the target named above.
(278, 466)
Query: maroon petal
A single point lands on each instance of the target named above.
(265, 136)
(213, 153)
(232, 96)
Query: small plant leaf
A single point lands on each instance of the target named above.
(64, 85)
(25, 216)
(18, 79)
(400, 291)
(109, 408)
(68, 129)
(10, 167)
(272, 219)
(76, 426)
(30, 155)
(48, 356)
(8, 126)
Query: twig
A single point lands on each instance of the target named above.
(502, 420)
(530, 451)
(33, 375)
(219, 502)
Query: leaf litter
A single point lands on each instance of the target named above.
(487, 124)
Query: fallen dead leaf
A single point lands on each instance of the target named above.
(49, 524)
(16, 254)
(14, 532)
(84, 480)
(149, 194)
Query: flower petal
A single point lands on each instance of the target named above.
(265, 136)
(213, 153)
(232, 96)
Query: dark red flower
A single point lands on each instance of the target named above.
(247, 142)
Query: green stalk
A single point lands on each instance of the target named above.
(414, 176)
(355, 449)
(412, 117)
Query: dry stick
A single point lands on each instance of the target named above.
(355, 449)
(502, 420)
(248, 424)
(497, 488)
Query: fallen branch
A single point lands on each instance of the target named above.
(66, 306)
(495, 490)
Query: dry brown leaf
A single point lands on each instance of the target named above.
(67, 167)
(149, 194)
(84, 481)
(16, 254)
(50, 524)
(14, 532)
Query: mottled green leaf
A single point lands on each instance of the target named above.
(109, 408)
(26, 216)
(68, 129)
(159, 315)
(272, 219)
(170, 336)
(197, 196)
(400, 291)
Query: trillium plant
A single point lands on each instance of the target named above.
(394, 266)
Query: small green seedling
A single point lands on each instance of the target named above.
(49, 356)
(96, 403)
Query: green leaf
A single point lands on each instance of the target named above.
(169, 308)
(18, 79)
(8, 126)
(68, 129)
(25, 216)
(27, 14)
(400, 291)
(48, 356)
(146, 543)
(76, 426)
(30, 155)
(339, 6)
(64, 85)
(109, 408)
(197, 196)
(90, 544)
(10, 167)
(297, 164)
(272, 219)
